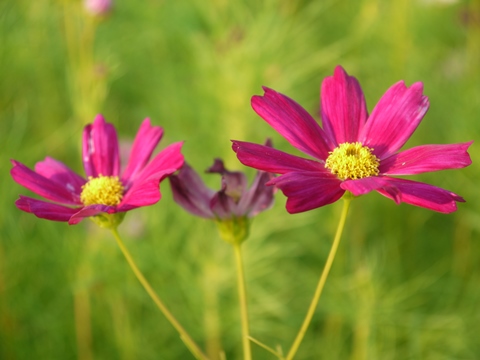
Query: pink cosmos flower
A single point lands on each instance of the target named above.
(106, 190)
(354, 151)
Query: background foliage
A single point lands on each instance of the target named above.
(405, 282)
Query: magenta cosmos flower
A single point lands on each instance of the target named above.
(354, 151)
(106, 190)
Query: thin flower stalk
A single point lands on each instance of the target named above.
(322, 280)
(231, 209)
(187, 339)
(242, 295)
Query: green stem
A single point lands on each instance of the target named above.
(242, 294)
(268, 348)
(191, 345)
(322, 280)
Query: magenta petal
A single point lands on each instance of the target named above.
(48, 188)
(363, 186)
(292, 122)
(308, 190)
(271, 160)
(60, 173)
(427, 158)
(89, 211)
(424, 195)
(100, 149)
(45, 210)
(145, 193)
(146, 140)
(165, 163)
(394, 119)
(190, 192)
(344, 110)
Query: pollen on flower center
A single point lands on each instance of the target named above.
(105, 190)
(352, 161)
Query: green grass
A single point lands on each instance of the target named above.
(404, 284)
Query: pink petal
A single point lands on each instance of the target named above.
(292, 122)
(165, 163)
(100, 149)
(271, 160)
(344, 111)
(91, 210)
(394, 119)
(47, 188)
(363, 186)
(308, 190)
(427, 158)
(424, 195)
(190, 192)
(45, 210)
(145, 193)
(61, 174)
(146, 140)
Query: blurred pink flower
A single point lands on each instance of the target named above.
(98, 7)
(354, 151)
(105, 190)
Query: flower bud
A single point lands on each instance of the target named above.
(98, 7)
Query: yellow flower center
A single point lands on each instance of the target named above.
(352, 161)
(105, 190)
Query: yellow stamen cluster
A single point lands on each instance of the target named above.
(352, 161)
(105, 190)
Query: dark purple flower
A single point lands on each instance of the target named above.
(354, 151)
(231, 206)
(234, 199)
(105, 190)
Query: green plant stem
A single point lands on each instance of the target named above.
(321, 281)
(242, 294)
(191, 345)
(268, 348)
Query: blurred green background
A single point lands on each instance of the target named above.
(406, 281)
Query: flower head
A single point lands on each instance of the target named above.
(98, 7)
(231, 206)
(354, 151)
(105, 190)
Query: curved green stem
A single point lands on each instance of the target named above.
(242, 294)
(191, 345)
(322, 280)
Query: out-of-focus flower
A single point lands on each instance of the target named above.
(354, 151)
(106, 194)
(232, 206)
(98, 7)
